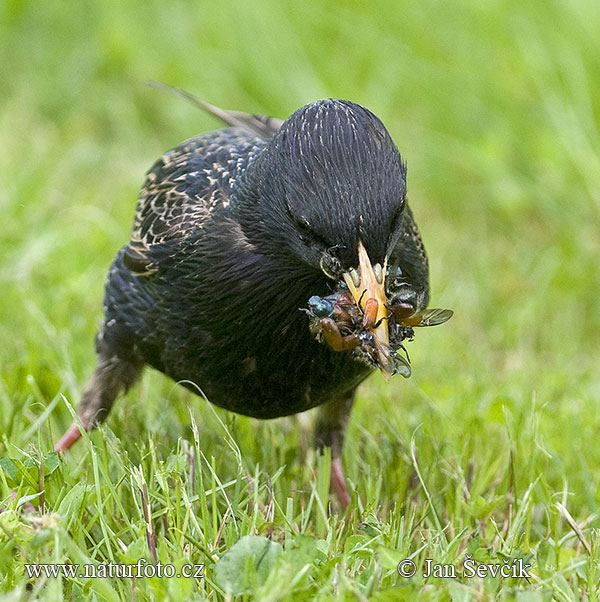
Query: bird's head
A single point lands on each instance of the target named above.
(329, 194)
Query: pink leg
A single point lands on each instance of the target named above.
(113, 376)
(71, 436)
(338, 482)
(329, 432)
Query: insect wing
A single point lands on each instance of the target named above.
(402, 366)
(433, 317)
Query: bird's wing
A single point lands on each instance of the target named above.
(187, 184)
(182, 190)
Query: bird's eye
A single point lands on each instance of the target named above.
(306, 231)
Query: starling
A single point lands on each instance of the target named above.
(271, 267)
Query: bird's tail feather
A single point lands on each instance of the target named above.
(258, 125)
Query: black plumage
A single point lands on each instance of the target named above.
(234, 231)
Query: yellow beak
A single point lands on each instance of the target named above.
(369, 284)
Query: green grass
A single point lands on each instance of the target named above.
(491, 448)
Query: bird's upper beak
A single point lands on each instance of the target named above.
(366, 283)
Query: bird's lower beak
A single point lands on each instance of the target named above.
(367, 284)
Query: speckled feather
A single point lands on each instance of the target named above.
(186, 185)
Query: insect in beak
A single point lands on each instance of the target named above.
(367, 286)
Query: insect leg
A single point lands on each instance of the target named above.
(333, 337)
